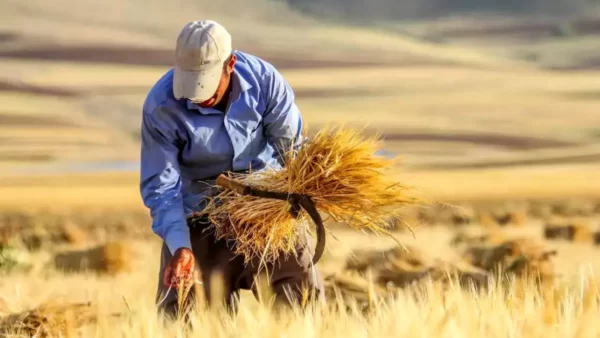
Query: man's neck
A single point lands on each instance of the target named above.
(222, 105)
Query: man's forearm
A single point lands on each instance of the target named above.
(169, 219)
(160, 183)
(176, 238)
(170, 224)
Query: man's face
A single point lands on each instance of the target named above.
(223, 84)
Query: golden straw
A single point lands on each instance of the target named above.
(338, 168)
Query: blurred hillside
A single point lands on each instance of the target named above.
(556, 34)
(364, 11)
(449, 90)
(268, 28)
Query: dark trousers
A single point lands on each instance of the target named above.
(291, 279)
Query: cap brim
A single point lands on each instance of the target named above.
(196, 85)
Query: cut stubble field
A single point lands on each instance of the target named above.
(122, 304)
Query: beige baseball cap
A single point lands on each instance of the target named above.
(201, 51)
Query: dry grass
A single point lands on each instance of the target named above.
(565, 310)
(337, 168)
(405, 297)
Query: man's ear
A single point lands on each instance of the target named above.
(231, 63)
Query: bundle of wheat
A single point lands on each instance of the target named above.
(518, 257)
(462, 238)
(514, 218)
(339, 170)
(403, 266)
(354, 289)
(462, 273)
(73, 234)
(50, 320)
(406, 256)
(596, 237)
(111, 258)
(574, 230)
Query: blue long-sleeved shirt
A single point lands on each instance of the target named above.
(182, 142)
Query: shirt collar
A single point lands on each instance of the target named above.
(240, 85)
(205, 111)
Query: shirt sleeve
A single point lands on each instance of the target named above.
(282, 119)
(160, 183)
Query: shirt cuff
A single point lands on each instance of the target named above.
(178, 239)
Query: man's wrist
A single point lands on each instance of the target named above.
(178, 239)
(182, 249)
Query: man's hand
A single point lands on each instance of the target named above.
(181, 267)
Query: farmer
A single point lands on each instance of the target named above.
(217, 110)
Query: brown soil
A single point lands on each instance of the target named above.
(74, 92)
(155, 56)
(588, 158)
(334, 92)
(26, 157)
(581, 65)
(8, 36)
(534, 29)
(505, 141)
(68, 91)
(35, 121)
(4, 141)
(26, 88)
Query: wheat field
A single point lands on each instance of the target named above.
(51, 259)
(122, 306)
(450, 314)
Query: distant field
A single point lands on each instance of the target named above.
(429, 104)
(545, 182)
(456, 105)
(560, 42)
